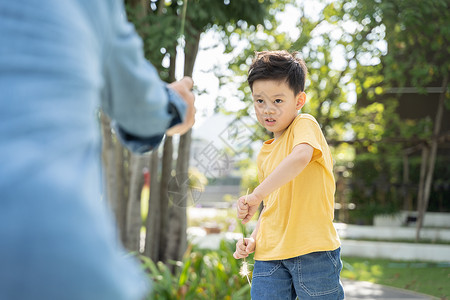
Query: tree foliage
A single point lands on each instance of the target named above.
(416, 55)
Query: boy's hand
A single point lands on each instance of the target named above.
(243, 250)
(247, 206)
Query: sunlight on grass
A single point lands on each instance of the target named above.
(362, 271)
(423, 277)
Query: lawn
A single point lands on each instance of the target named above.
(423, 277)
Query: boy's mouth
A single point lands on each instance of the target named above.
(269, 121)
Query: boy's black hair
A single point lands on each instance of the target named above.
(279, 65)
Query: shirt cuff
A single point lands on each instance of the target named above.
(176, 109)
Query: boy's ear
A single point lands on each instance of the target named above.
(300, 100)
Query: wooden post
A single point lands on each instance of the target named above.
(134, 220)
(431, 160)
(407, 201)
(154, 211)
(166, 170)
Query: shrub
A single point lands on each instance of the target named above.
(203, 274)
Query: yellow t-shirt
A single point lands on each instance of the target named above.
(298, 217)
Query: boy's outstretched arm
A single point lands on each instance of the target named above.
(286, 171)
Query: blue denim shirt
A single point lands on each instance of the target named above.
(59, 62)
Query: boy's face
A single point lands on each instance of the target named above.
(276, 105)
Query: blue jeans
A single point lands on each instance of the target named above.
(311, 276)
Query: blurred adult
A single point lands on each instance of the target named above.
(59, 62)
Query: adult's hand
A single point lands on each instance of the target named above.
(184, 89)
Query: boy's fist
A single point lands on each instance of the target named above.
(247, 207)
(243, 250)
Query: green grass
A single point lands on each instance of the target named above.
(421, 241)
(422, 277)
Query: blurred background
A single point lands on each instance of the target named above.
(378, 86)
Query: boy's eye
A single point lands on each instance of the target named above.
(259, 101)
(278, 101)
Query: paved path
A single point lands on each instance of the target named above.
(355, 290)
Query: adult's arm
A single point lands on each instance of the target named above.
(141, 105)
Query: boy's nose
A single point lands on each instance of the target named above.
(268, 110)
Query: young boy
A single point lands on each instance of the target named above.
(297, 249)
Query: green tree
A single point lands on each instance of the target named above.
(417, 37)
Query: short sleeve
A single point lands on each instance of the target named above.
(307, 131)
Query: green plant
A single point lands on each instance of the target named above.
(203, 274)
